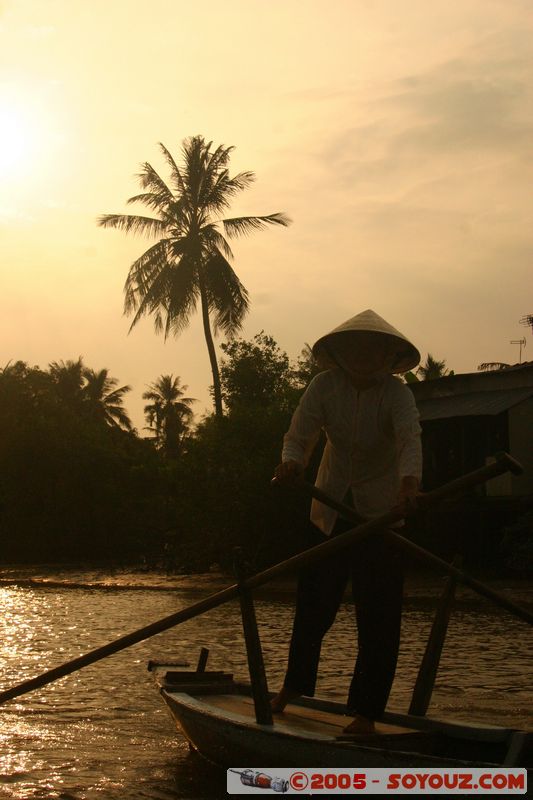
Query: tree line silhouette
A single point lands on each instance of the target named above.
(77, 481)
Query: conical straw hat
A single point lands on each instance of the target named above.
(407, 356)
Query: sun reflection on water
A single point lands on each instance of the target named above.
(104, 733)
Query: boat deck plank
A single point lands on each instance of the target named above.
(307, 719)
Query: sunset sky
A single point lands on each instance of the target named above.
(397, 134)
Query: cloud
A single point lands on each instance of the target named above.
(477, 105)
(429, 176)
(465, 107)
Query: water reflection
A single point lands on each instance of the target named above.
(104, 733)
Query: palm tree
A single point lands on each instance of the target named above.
(190, 262)
(433, 369)
(104, 400)
(67, 381)
(306, 367)
(169, 412)
(489, 366)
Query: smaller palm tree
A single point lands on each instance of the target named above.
(433, 369)
(490, 366)
(169, 413)
(67, 382)
(104, 401)
(306, 367)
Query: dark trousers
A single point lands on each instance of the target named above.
(375, 568)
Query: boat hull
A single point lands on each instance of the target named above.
(230, 743)
(217, 717)
(229, 738)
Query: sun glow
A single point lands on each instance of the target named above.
(31, 132)
(18, 137)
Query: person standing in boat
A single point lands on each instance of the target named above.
(373, 461)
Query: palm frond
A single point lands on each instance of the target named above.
(175, 170)
(183, 293)
(202, 170)
(150, 395)
(117, 395)
(164, 286)
(148, 294)
(194, 151)
(227, 296)
(242, 226)
(118, 417)
(215, 240)
(219, 191)
(209, 162)
(159, 322)
(142, 274)
(130, 223)
(151, 303)
(168, 210)
(149, 178)
(96, 383)
(212, 194)
(241, 181)
(219, 158)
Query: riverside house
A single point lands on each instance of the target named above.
(466, 419)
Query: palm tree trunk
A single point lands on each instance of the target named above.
(211, 349)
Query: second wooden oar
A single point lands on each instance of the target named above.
(427, 673)
(503, 460)
(504, 464)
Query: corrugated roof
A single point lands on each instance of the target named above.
(472, 404)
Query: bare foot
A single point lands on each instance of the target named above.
(360, 726)
(279, 701)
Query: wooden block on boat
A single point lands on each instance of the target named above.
(153, 665)
(197, 678)
(200, 689)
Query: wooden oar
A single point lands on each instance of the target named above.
(503, 460)
(503, 464)
(429, 666)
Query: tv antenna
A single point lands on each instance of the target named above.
(527, 320)
(522, 343)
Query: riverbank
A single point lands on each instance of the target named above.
(421, 586)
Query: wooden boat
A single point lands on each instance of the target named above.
(231, 724)
(216, 714)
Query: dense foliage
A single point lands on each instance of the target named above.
(222, 492)
(75, 482)
(78, 483)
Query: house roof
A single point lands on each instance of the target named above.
(516, 377)
(472, 404)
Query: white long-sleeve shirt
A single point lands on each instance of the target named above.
(373, 440)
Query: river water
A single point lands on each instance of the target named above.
(103, 732)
